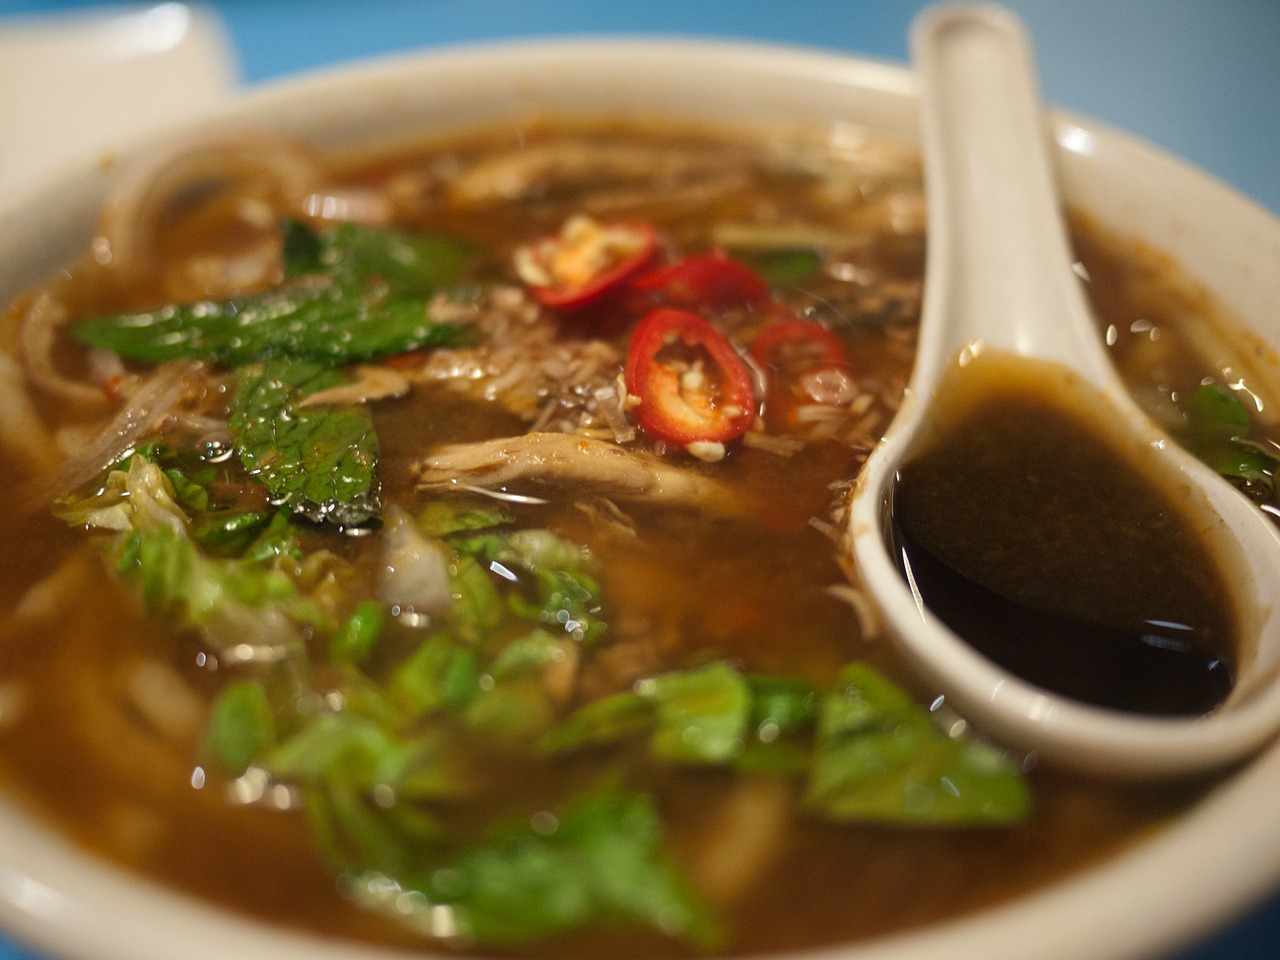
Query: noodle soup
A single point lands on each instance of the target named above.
(445, 546)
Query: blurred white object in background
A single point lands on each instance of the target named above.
(81, 83)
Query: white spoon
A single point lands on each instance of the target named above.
(999, 278)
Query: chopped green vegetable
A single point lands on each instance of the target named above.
(784, 267)
(344, 750)
(530, 654)
(870, 753)
(1213, 409)
(781, 705)
(514, 711)
(1218, 428)
(702, 715)
(441, 519)
(236, 605)
(241, 726)
(135, 497)
(879, 757)
(600, 860)
(356, 638)
(319, 462)
(559, 589)
(602, 721)
(229, 533)
(478, 608)
(438, 675)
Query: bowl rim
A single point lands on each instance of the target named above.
(64, 901)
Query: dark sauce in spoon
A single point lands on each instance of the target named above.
(1030, 535)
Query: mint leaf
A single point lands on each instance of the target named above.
(319, 462)
(407, 264)
(366, 296)
(317, 322)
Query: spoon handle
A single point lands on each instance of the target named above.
(999, 259)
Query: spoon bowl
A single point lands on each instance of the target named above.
(999, 280)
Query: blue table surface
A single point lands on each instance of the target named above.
(1197, 77)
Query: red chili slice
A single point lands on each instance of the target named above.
(713, 281)
(585, 261)
(797, 341)
(786, 351)
(690, 382)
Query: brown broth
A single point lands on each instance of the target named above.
(1044, 546)
(680, 588)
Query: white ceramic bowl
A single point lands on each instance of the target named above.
(1182, 882)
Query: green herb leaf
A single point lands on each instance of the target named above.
(406, 264)
(241, 726)
(1218, 428)
(438, 675)
(784, 267)
(356, 638)
(319, 462)
(604, 861)
(1213, 409)
(369, 300)
(324, 322)
(881, 758)
(602, 721)
(702, 715)
(440, 519)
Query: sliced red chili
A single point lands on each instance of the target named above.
(714, 281)
(585, 261)
(786, 351)
(690, 383)
(797, 341)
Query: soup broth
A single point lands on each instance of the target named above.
(497, 600)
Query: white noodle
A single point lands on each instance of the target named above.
(37, 334)
(21, 431)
